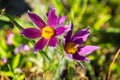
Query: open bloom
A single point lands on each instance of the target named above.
(72, 45)
(48, 32)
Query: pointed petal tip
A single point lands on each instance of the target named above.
(88, 29)
(86, 50)
(71, 24)
(37, 20)
(97, 47)
(69, 55)
(52, 17)
(61, 19)
(83, 33)
(87, 59)
(52, 8)
(28, 11)
(21, 32)
(35, 50)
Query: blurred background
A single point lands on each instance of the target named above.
(18, 61)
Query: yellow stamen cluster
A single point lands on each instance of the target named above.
(71, 48)
(48, 32)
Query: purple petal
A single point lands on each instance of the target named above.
(84, 33)
(69, 33)
(78, 41)
(71, 26)
(40, 44)
(87, 50)
(53, 42)
(68, 36)
(69, 55)
(60, 30)
(61, 19)
(37, 20)
(52, 18)
(81, 58)
(31, 33)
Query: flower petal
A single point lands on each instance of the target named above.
(52, 18)
(60, 30)
(68, 26)
(31, 32)
(69, 55)
(69, 33)
(61, 19)
(84, 33)
(53, 42)
(85, 50)
(37, 20)
(81, 58)
(78, 41)
(68, 36)
(40, 44)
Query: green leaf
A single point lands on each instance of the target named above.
(101, 20)
(9, 73)
(4, 18)
(21, 77)
(92, 57)
(101, 60)
(114, 66)
(2, 53)
(16, 60)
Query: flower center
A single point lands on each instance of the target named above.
(48, 32)
(71, 48)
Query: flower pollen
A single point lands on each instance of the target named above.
(71, 48)
(48, 32)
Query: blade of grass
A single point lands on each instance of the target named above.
(14, 22)
(58, 71)
(113, 61)
(10, 69)
(43, 53)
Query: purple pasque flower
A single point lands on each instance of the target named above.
(72, 45)
(48, 32)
